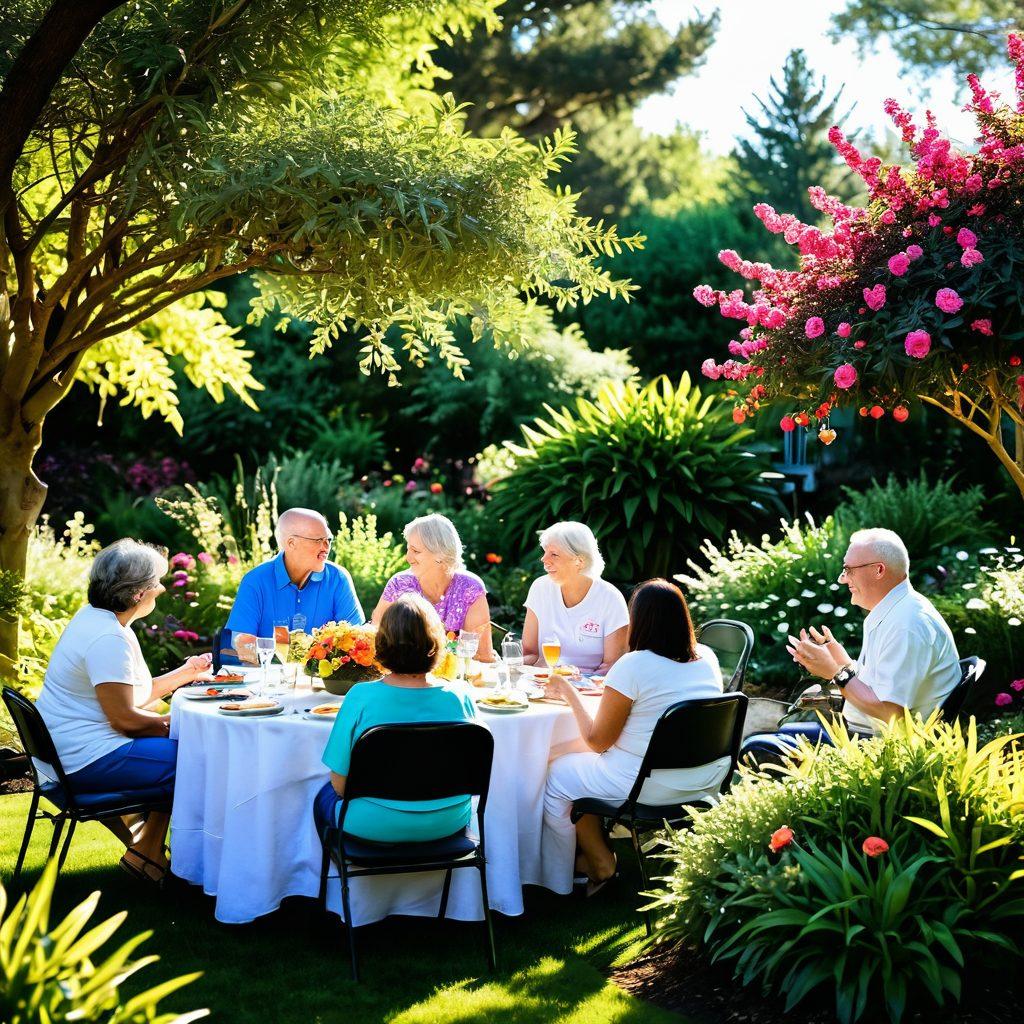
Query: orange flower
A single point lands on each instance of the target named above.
(874, 846)
(363, 658)
(318, 651)
(781, 838)
(493, 558)
(436, 488)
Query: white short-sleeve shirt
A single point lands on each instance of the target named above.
(94, 648)
(582, 629)
(908, 657)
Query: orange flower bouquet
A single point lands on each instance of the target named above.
(342, 655)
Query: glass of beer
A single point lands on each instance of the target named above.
(551, 649)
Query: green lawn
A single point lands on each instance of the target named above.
(293, 965)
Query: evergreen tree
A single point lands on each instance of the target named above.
(788, 150)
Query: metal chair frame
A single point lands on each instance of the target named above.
(736, 682)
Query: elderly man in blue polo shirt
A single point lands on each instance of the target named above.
(299, 587)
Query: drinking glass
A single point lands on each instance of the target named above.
(551, 649)
(465, 649)
(265, 653)
(512, 660)
(283, 647)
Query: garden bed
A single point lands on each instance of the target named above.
(682, 981)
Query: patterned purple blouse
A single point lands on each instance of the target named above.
(463, 591)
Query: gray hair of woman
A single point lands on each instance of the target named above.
(438, 535)
(578, 541)
(122, 572)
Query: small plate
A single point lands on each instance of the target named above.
(220, 694)
(244, 712)
(324, 717)
(502, 709)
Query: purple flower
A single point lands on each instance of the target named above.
(205, 557)
(410, 487)
(182, 560)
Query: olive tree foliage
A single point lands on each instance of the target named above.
(933, 35)
(182, 142)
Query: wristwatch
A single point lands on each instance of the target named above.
(843, 676)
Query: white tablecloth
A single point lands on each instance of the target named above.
(242, 824)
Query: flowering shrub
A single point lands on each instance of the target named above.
(915, 296)
(879, 870)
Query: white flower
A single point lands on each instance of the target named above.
(807, 593)
(792, 603)
(833, 586)
(1013, 622)
(825, 608)
(841, 613)
(969, 586)
(822, 581)
(783, 627)
(976, 604)
(971, 630)
(989, 551)
(962, 556)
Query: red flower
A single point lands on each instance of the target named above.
(436, 488)
(493, 558)
(781, 838)
(874, 846)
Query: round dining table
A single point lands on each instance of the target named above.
(242, 822)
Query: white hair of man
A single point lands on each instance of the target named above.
(438, 535)
(888, 547)
(290, 524)
(578, 541)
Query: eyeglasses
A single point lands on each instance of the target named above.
(847, 569)
(328, 540)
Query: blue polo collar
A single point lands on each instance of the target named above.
(281, 577)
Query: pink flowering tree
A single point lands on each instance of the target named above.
(919, 297)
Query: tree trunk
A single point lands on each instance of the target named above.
(21, 500)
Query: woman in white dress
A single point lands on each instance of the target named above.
(665, 664)
(573, 605)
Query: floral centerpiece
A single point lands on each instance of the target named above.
(448, 665)
(342, 655)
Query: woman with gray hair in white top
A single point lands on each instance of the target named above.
(437, 572)
(571, 604)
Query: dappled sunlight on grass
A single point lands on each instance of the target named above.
(292, 966)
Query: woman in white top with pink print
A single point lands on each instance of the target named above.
(573, 605)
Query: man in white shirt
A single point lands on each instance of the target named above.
(908, 658)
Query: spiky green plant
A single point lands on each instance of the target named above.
(52, 973)
(652, 470)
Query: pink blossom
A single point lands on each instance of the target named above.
(859, 344)
(918, 344)
(888, 217)
(410, 487)
(180, 583)
(815, 327)
(899, 264)
(976, 210)
(187, 635)
(205, 557)
(1017, 684)
(875, 297)
(934, 220)
(915, 252)
(843, 330)
(974, 184)
(982, 327)
(704, 294)
(232, 559)
(1002, 699)
(966, 238)
(971, 257)
(182, 560)
(948, 300)
(845, 376)
(710, 369)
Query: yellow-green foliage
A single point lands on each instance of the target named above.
(51, 973)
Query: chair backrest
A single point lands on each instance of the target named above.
(421, 761)
(693, 733)
(34, 735)
(732, 642)
(970, 672)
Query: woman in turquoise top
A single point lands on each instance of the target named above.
(410, 642)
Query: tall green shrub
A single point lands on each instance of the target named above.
(651, 470)
(878, 870)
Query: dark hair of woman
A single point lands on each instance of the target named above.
(410, 638)
(659, 621)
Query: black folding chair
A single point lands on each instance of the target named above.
(732, 642)
(688, 734)
(421, 761)
(71, 807)
(970, 672)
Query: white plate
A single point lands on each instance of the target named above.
(319, 718)
(244, 712)
(502, 709)
(198, 694)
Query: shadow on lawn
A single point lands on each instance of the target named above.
(293, 965)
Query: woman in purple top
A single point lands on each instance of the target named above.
(436, 570)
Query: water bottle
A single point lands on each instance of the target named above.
(512, 657)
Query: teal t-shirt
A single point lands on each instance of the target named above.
(395, 821)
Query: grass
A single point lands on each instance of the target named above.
(292, 966)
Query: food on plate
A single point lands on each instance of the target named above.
(249, 705)
(503, 700)
(564, 670)
(327, 710)
(229, 677)
(541, 677)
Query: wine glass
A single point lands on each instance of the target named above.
(512, 660)
(282, 648)
(551, 649)
(466, 648)
(265, 653)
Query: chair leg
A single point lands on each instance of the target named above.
(444, 894)
(67, 844)
(58, 828)
(325, 865)
(643, 872)
(29, 826)
(492, 953)
(347, 911)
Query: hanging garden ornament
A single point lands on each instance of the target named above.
(826, 435)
